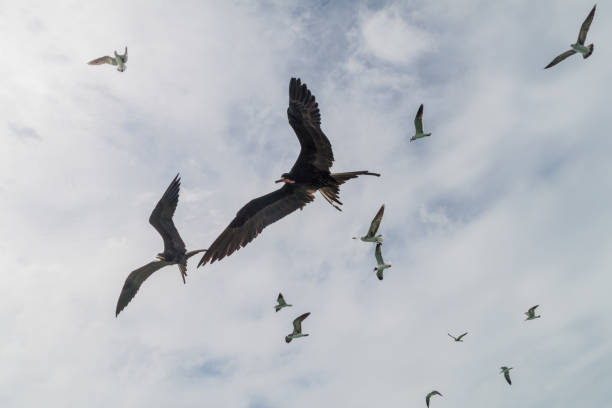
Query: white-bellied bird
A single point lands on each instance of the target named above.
(119, 60)
(371, 235)
(418, 125)
(281, 302)
(297, 328)
(506, 372)
(309, 174)
(585, 50)
(458, 338)
(174, 247)
(430, 395)
(531, 313)
(379, 269)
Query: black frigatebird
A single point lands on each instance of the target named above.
(309, 174)
(174, 247)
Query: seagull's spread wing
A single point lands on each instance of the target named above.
(103, 60)
(254, 217)
(460, 337)
(297, 323)
(125, 57)
(584, 29)
(430, 395)
(507, 375)
(376, 221)
(532, 309)
(560, 58)
(305, 119)
(418, 120)
(451, 336)
(134, 280)
(378, 254)
(281, 299)
(161, 218)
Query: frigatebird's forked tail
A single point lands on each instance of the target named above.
(331, 193)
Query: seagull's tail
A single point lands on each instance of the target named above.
(331, 193)
(588, 54)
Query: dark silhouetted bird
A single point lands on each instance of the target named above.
(309, 174)
(458, 339)
(297, 328)
(174, 247)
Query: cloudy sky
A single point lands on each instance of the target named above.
(506, 206)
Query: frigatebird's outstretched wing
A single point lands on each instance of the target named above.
(134, 280)
(161, 218)
(305, 119)
(254, 217)
(584, 29)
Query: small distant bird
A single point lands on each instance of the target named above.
(458, 338)
(174, 247)
(309, 174)
(418, 125)
(281, 302)
(370, 236)
(297, 328)
(119, 60)
(381, 264)
(430, 395)
(531, 313)
(579, 46)
(506, 371)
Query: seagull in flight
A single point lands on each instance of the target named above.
(297, 328)
(506, 371)
(458, 339)
(119, 60)
(281, 302)
(379, 269)
(174, 247)
(309, 174)
(531, 313)
(579, 46)
(371, 235)
(430, 395)
(418, 125)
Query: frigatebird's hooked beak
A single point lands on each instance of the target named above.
(285, 180)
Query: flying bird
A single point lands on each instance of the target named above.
(458, 338)
(174, 247)
(119, 60)
(281, 302)
(309, 174)
(506, 371)
(297, 328)
(381, 264)
(531, 313)
(579, 46)
(430, 395)
(371, 235)
(418, 125)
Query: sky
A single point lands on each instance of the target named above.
(506, 206)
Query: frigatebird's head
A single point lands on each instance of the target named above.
(285, 178)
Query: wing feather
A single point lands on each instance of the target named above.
(297, 323)
(418, 120)
(376, 222)
(560, 58)
(161, 218)
(305, 119)
(254, 217)
(378, 254)
(103, 60)
(134, 280)
(584, 29)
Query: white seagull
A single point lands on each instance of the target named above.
(531, 313)
(371, 235)
(119, 60)
(506, 371)
(430, 395)
(458, 338)
(281, 302)
(579, 46)
(297, 328)
(418, 125)
(381, 264)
